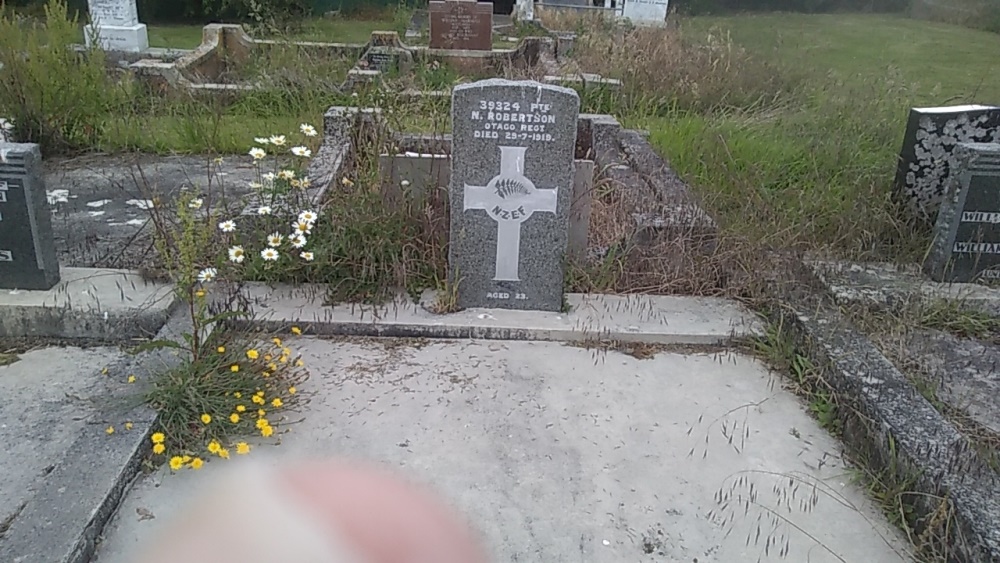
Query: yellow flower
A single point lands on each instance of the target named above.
(296, 330)
(259, 393)
(176, 462)
(110, 430)
(257, 400)
(234, 368)
(224, 453)
(266, 431)
(267, 357)
(158, 438)
(214, 446)
(240, 408)
(286, 351)
(261, 412)
(276, 340)
(221, 349)
(199, 293)
(185, 458)
(283, 359)
(265, 374)
(292, 390)
(252, 354)
(196, 463)
(206, 418)
(237, 394)
(242, 448)
(234, 418)
(158, 448)
(276, 402)
(262, 422)
(272, 366)
(299, 362)
(128, 426)
(131, 379)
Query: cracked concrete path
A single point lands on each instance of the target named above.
(559, 453)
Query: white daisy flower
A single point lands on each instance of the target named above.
(274, 239)
(207, 275)
(236, 254)
(308, 216)
(304, 152)
(302, 227)
(268, 177)
(269, 254)
(307, 256)
(264, 210)
(261, 140)
(287, 174)
(257, 153)
(404, 183)
(227, 226)
(297, 240)
(196, 203)
(306, 182)
(307, 130)
(256, 186)
(277, 140)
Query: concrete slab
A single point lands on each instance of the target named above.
(99, 202)
(882, 284)
(656, 319)
(49, 399)
(88, 303)
(558, 453)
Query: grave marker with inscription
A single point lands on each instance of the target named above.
(646, 12)
(27, 244)
(461, 24)
(511, 190)
(115, 25)
(966, 245)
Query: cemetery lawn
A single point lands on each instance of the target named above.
(814, 168)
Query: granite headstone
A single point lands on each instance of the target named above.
(511, 190)
(461, 24)
(115, 25)
(27, 244)
(927, 157)
(966, 244)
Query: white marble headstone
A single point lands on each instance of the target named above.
(646, 12)
(115, 26)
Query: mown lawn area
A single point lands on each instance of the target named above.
(814, 167)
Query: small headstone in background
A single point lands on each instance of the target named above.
(461, 24)
(27, 244)
(927, 157)
(646, 12)
(524, 10)
(966, 244)
(413, 176)
(511, 191)
(115, 24)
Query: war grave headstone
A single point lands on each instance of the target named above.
(927, 157)
(115, 25)
(646, 12)
(511, 190)
(966, 244)
(461, 24)
(27, 245)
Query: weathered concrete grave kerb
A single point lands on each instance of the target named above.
(511, 189)
(115, 26)
(966, 245)
(646, 12)
(461, 24)
(927, 157)
(27, 245)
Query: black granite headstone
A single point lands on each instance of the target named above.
(927, 158)
(966, 245)
(27, 245)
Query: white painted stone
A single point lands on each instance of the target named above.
(646, 12)
(115, 26)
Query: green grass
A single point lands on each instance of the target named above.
(815, 168)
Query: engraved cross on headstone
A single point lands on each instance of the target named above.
(510, 199)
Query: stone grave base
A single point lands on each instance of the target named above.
(88, 303)
(132, 39)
